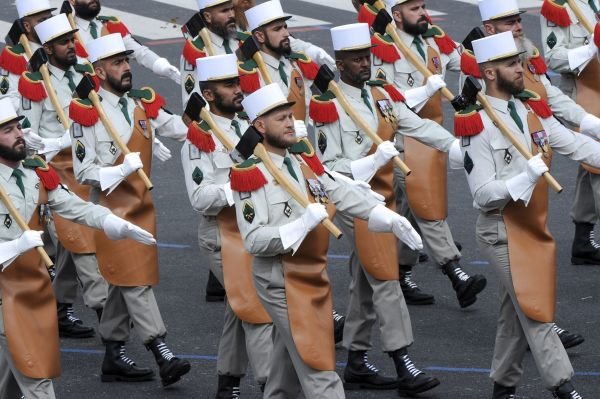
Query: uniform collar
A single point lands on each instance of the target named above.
(57, 72)
(351, 90)
(272, 61)
(221, 120)
(216, 39)
(407, 37)
(82, 23)
(499, 104)
(277, 159)
(6, 171)
(109, 97)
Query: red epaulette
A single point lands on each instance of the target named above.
(539, 106)
(367, 14)
(394, 93)
(198, 134)
(83, 112)
(441, 38)
(307, 66)
(538, 63)
(247, 176)
(597, 35)
(31, 86)
(47, 175)
(191, 51)
(468, 122)
(114, 25)
(13, 60)
(469, 65)
(80, 50)
(556, 12)
(151, 100)
(384, 48)
(249, 76)
(308, 155)
(322, 109)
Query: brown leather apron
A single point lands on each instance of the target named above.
(126, 262)
(427, 185)
(588, 95)
(297, 94)
(533, 82)
(29, 310)
(531, 248)
(377, 251)
(308, 295)
(75, 237)
(237, 271)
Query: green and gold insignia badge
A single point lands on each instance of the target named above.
(322, 141)
(248, 211)
(80, 151)
(197, 175)
(189, 83)
(4, 86)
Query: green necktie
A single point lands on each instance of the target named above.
(94, 30)
(419, 45)
(69, 76)
(365, 96)
(227, 47)
(515, 115)
(123, 104)
(592, 4)
(18, 174)
(236, 125)
(288, 162)
(282, 73)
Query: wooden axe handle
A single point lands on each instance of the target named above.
(207, 42)
(93, 96)
(223, 138)
(584, 21)
(262, 67)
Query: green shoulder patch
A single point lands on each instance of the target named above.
(80, 150)
(189, 84)
(35, 162)
(298, 56)
(243, 116)
(147, 94)
(468, 163)
(248, 211)
(301, 148)
(248, 65)
(242, 36)
(433, 30)
(197, 176)
(551, 40)
(376, 83)
(84, 68)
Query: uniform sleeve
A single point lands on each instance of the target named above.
(169, 125)
(83, 147)
(562, 105)
(347, 199)
(32, 111)
(578, 147)
(141, 53)
(380, 69)
(488, 192)
(454, 60)
(333, 157)
(260, 238)
(205, 196)
(71, 207)
(556, 46)
(424, 130)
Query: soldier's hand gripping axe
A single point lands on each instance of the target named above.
(87, 89)
(325, 81)
(195, 26)
(249, 50)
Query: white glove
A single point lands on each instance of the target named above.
(56, 144)
(32, 140)
(434, 84)
(322, 57)
(581, 55)
(10, 250)
(520, 187)
(117, 229)
(300, 129)
(536, 167)
(383, 220)
(363, 187)
(417, 98)
(455, 155)
(228, 193)
(111, 176)
(365, 168)
(293, 233)
(590, 126)
(162, 67)
(159, 150)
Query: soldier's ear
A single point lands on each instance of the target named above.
(208, 95)
(100, 72)
(207, 16)
(489, 73)
(339, 64)
(490, 29)
(27, 25)
(260, 36)
(260, 125)
(48, 49)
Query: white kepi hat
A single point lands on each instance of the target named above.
(26, 8)
(106, 46)
(497, 9)
(351, 37)
(495, 47)
(7, 112)
(218, 67)
(265, 13)
(264, 100)
(202, 4)
(53, 28)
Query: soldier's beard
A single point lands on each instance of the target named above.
(118, 85)
(279, 142)
(415, 29)
(226, 31)
(85, 11)
(68, 61)
(11, 153)
(357, 79)
(507, 86)
(228, 107)
(526, 45)
(284, 47)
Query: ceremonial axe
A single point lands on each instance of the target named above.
(249, 50)
(67, 9)
(195, 26)
(87, 89)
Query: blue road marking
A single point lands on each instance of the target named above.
(479, 263)
(174, 246)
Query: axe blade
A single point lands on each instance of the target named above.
(370, 2)
(194, 106)
(38, 59)
(468, 95)
(474, 34)
(248, 142)
(193, 26)
(324, 76)
(382, 20)
(65, 8)
(249, 48)
(85, 87)
(14, 34)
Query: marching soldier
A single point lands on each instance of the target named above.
(375, 289)
(274, 227)
(29, 344)
(505, 16)
(572, 51)
(91, 25)
(247, 331)
(130, 269)
(75, 259)
(423, 195)
(513, 203)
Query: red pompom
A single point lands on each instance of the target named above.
(83, 113)
(31, 89)
(322, 111)
(49, 178)
(117, 26)
(394, 93)
(597, 35)
(247, 179)
(201, 139)
(556, 13)
(191, 52)
(469, 124)
(314, 163)
(367, 14)
(539, 65)
(540, 107)
(445, 43)
(468, 64)
(309, 69)
(384, 50)
(13, 62)
(153, 106)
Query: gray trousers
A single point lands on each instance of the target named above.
(515, 330)
(436, 234)
(290, 377)
(586, 204)
(131, 304)
(373, 300)
(240, 342)
(13, 384)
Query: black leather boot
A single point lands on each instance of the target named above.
(360, 374)
(502, 392)
(171, 368)
(116, 366)
(412, 293)
(567, 338)
(566, 391)
(466, 287)
(411, 380)
(585, 250)
(228, 388)
(338, 326)
(99, 314)
(69, 325)
(214, 290)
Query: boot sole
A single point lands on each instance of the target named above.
(474, 289)
(357, 386)
(176, 376)
(81, 335)
(420, 303)
(574, 342)
(583, 261)
(120, 378)
(425, 387)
